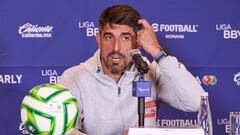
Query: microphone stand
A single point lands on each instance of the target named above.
(141, 89)
(141, 104)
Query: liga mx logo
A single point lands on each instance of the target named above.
(51, 74)
(237, 78)
(228, 31)
(209, 80)
(91, 29)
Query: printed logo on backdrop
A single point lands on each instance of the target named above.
(11, 78)
(51, 75)
(23, 130)
(228, 31)
(236, 78)
(29, 30)
(178, 123)
(175, 31)
(224, 122)
(88, 26)
(207, 80)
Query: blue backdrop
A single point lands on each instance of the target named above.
(40, 39)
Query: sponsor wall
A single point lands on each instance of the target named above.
(40, 39)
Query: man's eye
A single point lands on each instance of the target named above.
(108, 37)
(126, 38)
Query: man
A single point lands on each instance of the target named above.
(103, 84)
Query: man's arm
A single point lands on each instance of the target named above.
(177, 86)
(68, 80)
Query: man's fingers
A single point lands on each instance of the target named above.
(145, 23)
(140, 32)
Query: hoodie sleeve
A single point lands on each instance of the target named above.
(177, 86)
(68, 79)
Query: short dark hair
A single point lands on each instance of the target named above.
(120, 14)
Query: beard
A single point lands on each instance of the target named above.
(113, 66)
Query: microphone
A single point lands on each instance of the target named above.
(136, 56)
(141, 88)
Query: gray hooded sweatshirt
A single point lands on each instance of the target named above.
(107, 107)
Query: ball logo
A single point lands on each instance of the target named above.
(54, 107)
(209, 80)
(29, 30)
(237, 78)
(172, 29)
(228, 32)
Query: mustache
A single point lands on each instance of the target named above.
(116, 53)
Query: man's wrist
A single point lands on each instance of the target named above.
(155, 50)
(162, 54)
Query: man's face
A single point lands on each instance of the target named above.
(115, 43)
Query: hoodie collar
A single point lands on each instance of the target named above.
(94, 67)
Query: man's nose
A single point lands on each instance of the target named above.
(117, 45)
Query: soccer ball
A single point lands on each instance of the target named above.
(49, 109)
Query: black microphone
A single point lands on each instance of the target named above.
(136, 57)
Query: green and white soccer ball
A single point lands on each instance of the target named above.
(49, 109)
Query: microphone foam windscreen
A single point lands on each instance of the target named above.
(133, 52)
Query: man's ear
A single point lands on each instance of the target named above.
(98, 39)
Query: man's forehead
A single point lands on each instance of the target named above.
(117, 28)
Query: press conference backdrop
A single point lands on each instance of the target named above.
(40, 39)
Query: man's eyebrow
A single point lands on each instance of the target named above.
(123, 34)
(126, 33)
(107, 33)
